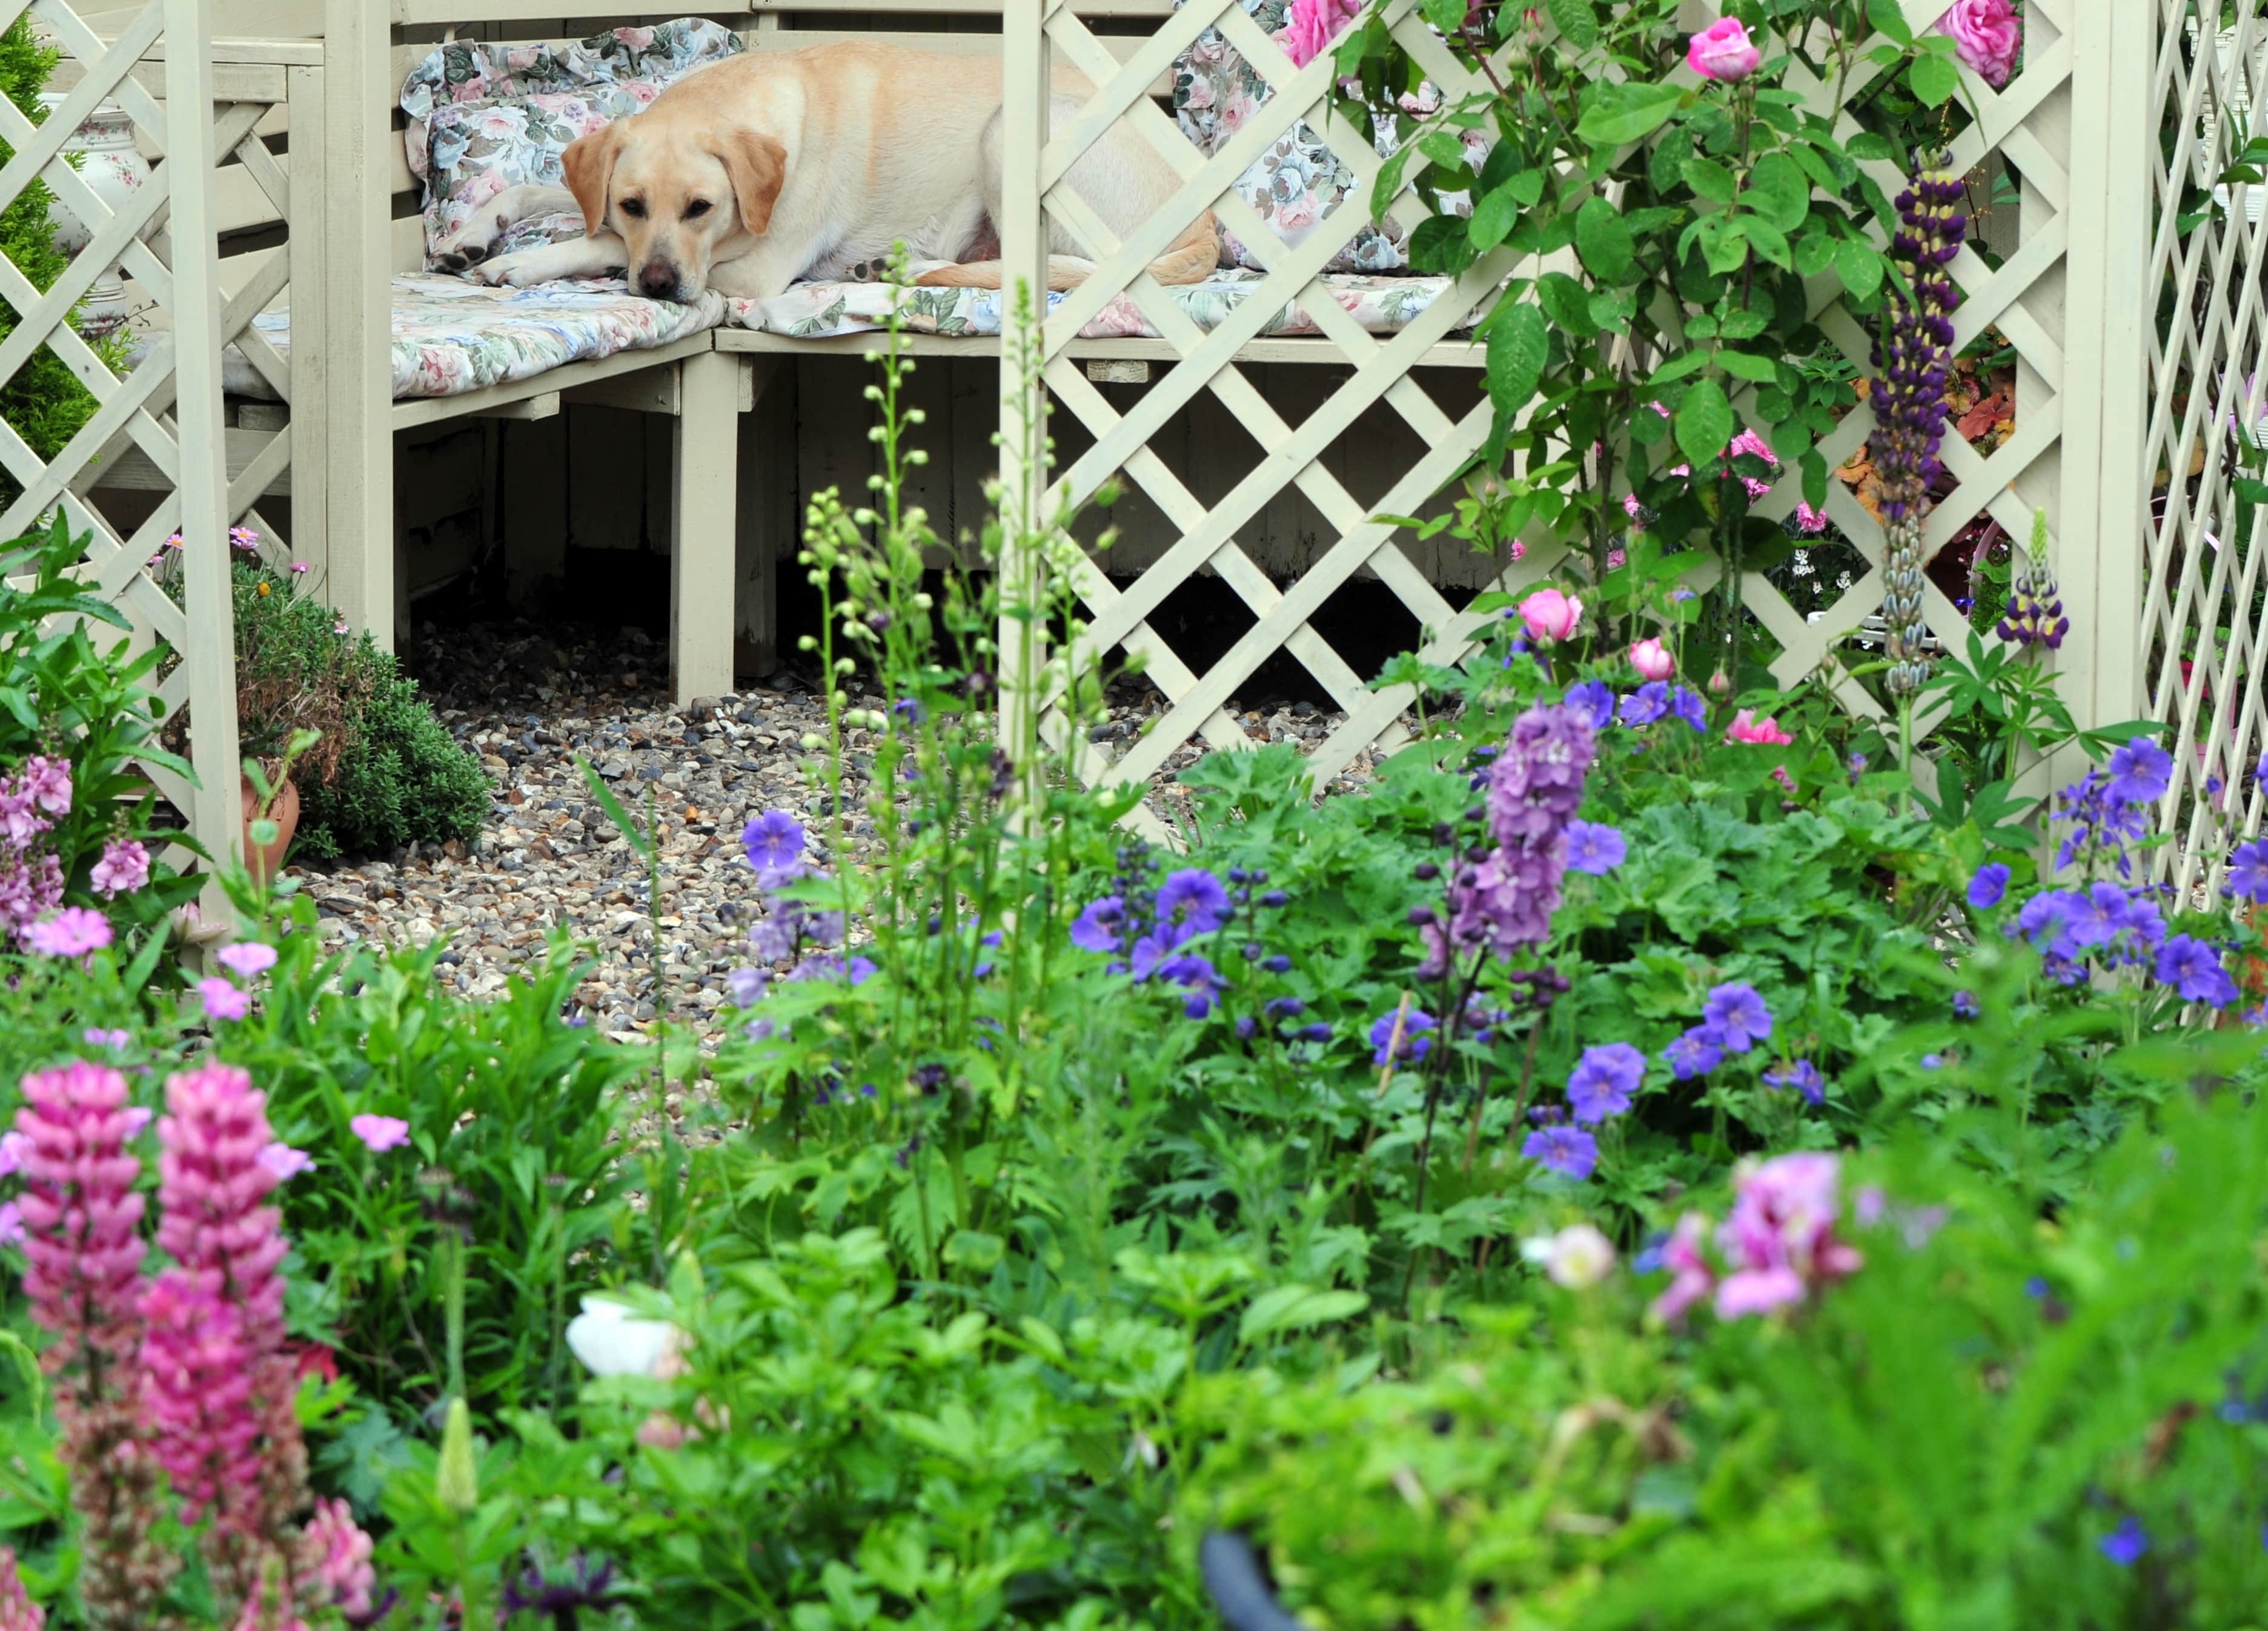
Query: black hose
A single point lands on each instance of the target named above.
(1237, 1589)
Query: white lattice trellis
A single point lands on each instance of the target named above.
(2051, 125)
(2200, 644)
(168, 407)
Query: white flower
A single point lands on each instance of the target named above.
(1578, 1257)
(613, 1341)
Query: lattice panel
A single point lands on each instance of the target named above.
(163, 238)
(2202, 614)
(2027, 124)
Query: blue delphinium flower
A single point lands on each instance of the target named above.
(1989, 887)
(1569, 1151)
(2139, 772)
(2248, 872)
(1594, 848)
(1603, 1080)
(1414, 1043)
(1803, 1076)
(1695, 1054)
(1737, 1016)
(2193, 968)
(2126, 1544)
(774, 841)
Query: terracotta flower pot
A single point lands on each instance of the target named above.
(263, 860)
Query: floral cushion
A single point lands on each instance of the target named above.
(1299, 181)
(486, 117)
(451, 336)
(816, 311)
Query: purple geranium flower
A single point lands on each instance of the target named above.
(2248, 872)
(2141, 771)
(1098, 928)
(2126, 1544)
(1803, 1076)
(1687, 705)
(1648, 703)
(1737, 1016)
(1594, 848)
(2193, 968)
(1193, 900)
(1989, 887)
(1695, 1054)
(1595, 700)
(774, 841)
(1965, 1004)
(1414, 1043)
(1603, 1080)
(1569, 1151)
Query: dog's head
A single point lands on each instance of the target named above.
(673, 197)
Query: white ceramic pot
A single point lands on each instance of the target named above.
(114, 170)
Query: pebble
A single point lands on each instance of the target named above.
(550, 856)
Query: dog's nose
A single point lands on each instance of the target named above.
(658, 280)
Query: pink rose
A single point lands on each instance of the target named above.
(1763, 733)
(1311, 24)
(1651, 659)
(1723, 52)
(1297, 215)
(1549, 615)
(1987, 34)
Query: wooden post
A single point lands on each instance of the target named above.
(705, 540)
(2105, 392)
(209, 653)
(358, 320)
(1024, 274)
(311, 354)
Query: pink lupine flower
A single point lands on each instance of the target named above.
(1651, 659)
(1723, 52)
(222, 1000)
(1311, 24)
(123, 868)
(335, 1567)
(249, 958)
(1550, 615)
(74, 932)
(199, 1369)
(81, 1215)
(1762, 733)
(1987, 36)
(213, 1186)
(13, 1147)
(17, 1611)
(380, 1133)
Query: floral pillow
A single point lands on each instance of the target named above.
(486, 117)
(1298, 181)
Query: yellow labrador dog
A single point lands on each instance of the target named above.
(755, 171)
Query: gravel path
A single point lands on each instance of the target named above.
(528, 699)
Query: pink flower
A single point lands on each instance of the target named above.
(1758, 1291)
(81, 1215)
(95, 1036)
(222, 1000)
(13, 1146)
(1987, 35)
(1723, 52)
(336, 1567)
(340, 627)
(380, 1133)
(74, 932)
(123, 868)
(1651, 659)
(1691, 1277)
(1311, 24)
(1762, 733)
(250, 958)
(1808, 520)
(299, 566)
(200, 1371)
(284, 1162)
(1549, 615)
(213, 1184)
(17, 1611)
(137, 1118)
(47, 783)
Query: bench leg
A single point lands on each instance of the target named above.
(702, 547)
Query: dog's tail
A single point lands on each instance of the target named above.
(1189, 259)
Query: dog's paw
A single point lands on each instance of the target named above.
(515, 271)
(472, 242)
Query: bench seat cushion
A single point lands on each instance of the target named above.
(816, 311)
(451, 337)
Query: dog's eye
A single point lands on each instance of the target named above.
(699, 206)
(634, 208)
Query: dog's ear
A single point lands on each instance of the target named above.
(757, 167)
(589, 162)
